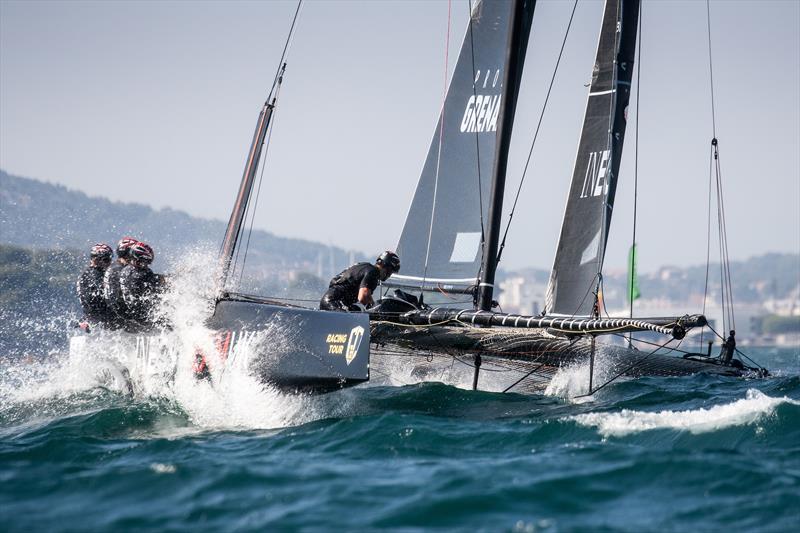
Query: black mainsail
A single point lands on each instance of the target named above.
(443, 238)
(575, 278)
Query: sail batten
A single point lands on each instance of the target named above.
(575, 280)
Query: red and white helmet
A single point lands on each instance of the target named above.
(142, 252)
(124, 246)
(101, 251)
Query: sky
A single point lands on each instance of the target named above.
(155, 103)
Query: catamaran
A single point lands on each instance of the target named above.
(451, 245)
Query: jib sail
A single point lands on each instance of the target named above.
(442, 240)
(574, 281)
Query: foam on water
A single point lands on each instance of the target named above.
(571, 382)
(459, 372)
(232, 398)
(753, 408)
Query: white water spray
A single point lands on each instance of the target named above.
(752, 409)
(161, 367)
(571, 382)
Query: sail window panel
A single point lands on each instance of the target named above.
(466, 248)
(591, 251)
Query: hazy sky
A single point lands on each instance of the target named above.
(155, 102)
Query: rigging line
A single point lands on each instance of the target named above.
(250, 209)
(520, 380)
(603, 293)
(275, 81)
(725, 273)
(266, 145)
(235, 261)
(642, 341)
(635, 171)
(612, 106)
(716, 333)
(477, 138)
(749, 359)
(535, 135)
(708, 236)
(724, 243)
(617, 376)
(723, 284)
(263, 162)
(286, 46)
(586, 295)
(439, 149)
(729, 279)
(711, 70)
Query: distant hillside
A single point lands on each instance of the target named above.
(38, 305)
(35, 214)
(755, 279)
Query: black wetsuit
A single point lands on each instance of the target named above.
(113, 295)
(139, 289)
(728, 348)
(90, 292)
(342, 293)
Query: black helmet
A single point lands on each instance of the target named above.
(390, 260)
(101, 251)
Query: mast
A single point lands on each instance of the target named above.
(521, 19)
(246, 186)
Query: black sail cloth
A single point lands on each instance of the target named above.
(579, 259)
(442, 240)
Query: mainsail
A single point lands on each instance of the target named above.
(576, 275)
(443, 237)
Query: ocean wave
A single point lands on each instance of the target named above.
(753, 408)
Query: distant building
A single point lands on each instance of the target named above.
(520, 295)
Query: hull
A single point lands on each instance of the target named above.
(294, 348)
(516, 359)
(290, 349)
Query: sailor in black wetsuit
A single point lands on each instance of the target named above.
(728, 348)
(111, 288)
(357, 283)
(90, 288)
(140, 288)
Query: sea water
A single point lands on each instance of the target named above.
(79, 452)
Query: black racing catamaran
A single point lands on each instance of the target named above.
(450, 243)
(288, 347)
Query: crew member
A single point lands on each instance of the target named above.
(90, 288)
(111, 288)
(140, 288)
(728, 347)
(357, 283)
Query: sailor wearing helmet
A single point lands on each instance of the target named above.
(140, 288)
(90, 287)
(111, 288)
(357, 283)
